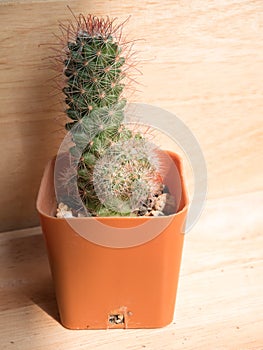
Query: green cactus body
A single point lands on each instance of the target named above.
(94, 67)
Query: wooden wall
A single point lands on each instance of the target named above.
(202, 60)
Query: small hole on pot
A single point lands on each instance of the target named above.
(116, 318)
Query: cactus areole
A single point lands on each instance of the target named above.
(117, 168)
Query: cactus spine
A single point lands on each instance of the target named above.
(95, 69)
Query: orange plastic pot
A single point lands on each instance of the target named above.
(103, 286)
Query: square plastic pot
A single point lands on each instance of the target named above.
(114, 272)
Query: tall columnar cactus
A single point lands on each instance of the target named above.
(95, 68)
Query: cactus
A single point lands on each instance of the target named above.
(125, 178)
(115, 174)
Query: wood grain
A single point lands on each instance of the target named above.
(219, 303)
(202, 61)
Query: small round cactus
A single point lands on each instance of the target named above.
(117, 171)
(125, 178)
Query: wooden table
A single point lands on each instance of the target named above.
(219, 303)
